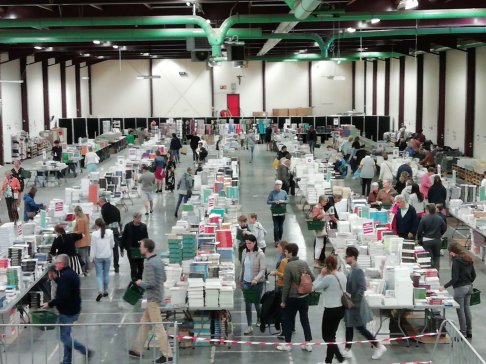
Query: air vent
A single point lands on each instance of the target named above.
(199, 56)
(197, 43)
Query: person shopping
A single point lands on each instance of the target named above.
(133, 233)
(10, 191)
(19, 173)
(292, 300)
(318, 214)
(102, 244)
(175, 146)
(278, 199)
(429, 233)
(82, 245)
(332, 285)
(147, 181)
(170, 173)
(360, 314)
(184, 189)
(91, 160)
(367, 167)
(31, 208)
(252, 277)
(463, 276)
(65, 243)
(250, 142)
(153, 282)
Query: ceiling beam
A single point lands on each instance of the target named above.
(97, 7)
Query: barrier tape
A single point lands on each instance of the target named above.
(265, 343)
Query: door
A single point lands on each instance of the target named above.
(233, 104)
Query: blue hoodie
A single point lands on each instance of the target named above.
(30, 206)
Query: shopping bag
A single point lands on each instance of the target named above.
(184, 150)
(275, 163)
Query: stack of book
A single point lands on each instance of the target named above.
(211, 290)
(195, 292)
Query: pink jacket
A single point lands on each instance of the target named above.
(425, 183)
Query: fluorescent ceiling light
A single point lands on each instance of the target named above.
(38, 47)
(375, 21)
(350, 30)
(147, 77)
(86, 55)
(96, 41)
(85, 78)
(11, 81)
(188, 3)
(407, 4)
(115, 46)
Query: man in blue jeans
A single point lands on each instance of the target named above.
(68, 303)
(278, 199)
(184, 189)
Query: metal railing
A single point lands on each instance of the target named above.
(460, 349)
(110, 342)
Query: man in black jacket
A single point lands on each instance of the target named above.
(111, 216)
(175, 145)
(68, 303)
(194, 143)
(133, 233)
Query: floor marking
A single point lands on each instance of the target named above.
(53, 352)
(248, 351)
(213, 354)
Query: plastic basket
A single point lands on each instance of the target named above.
(445, 243)
(133, 294)
(475, 297)
(44, 317)
(135, 253)
(251, 295)
(278, 209)
(314, 298)
(315, 224)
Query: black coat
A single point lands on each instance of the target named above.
(132, 234)
(175, 144)
(437, 193)
(408, 223)
(68, 293)
(194, 142)
(65, 244)
(110, 214)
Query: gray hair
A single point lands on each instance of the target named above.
(373, 184)
(278, 182)
(136, 215)
(400, 198)
(64, 259)
(386, 180)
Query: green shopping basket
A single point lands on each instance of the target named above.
(475, 297)
(278, 209)
(44, 317)
(251, 295)
(315, 224)
(444, 242)
(135, 253)
(133, 294)
(314, 298)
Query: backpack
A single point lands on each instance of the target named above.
(305, 284)
(203, 153)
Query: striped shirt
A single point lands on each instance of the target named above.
(153, 279)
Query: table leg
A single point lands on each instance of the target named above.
(400, 327)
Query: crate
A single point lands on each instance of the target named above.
(314, 298)
(133, 294)
(315, 224)
(475, 297)
(135, 253)
(444, 243)
(44, 317)
(278, 209)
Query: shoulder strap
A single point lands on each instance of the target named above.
(342, 290)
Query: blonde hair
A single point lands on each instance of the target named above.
(78, 211)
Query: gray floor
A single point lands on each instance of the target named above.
(111, 342)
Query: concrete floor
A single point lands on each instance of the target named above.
(111, 342)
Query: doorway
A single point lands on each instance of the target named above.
(233, 104)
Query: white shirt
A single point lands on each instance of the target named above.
(91, 158)
(386, 171)
(483, 182)
(102, 248)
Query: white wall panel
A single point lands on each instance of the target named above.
(431, 96)
(455, 99)
(480, 105)
(118, 91)
(70, 92)
(394, 91)
(359, 86)
(84, 92)
(34, 98)
(54, 85)
(410, 95)
(176, 95)
(330, 96)
(380, 89)
(11, 105)
(250, 89)
(369, 88)
(286, 85)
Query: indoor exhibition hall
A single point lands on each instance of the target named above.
(252, 181)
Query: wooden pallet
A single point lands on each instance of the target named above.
(467, 175)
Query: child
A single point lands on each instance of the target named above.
(240, 235)
(256, 228)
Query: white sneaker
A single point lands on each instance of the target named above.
(379, 351)
(248, 331)
(307, 347)
(283, 347)
(347, 353)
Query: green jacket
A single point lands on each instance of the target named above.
(291, 279)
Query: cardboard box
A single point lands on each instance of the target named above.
(280, 112)
(304, 111)
(294, 112)
(258, 114)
